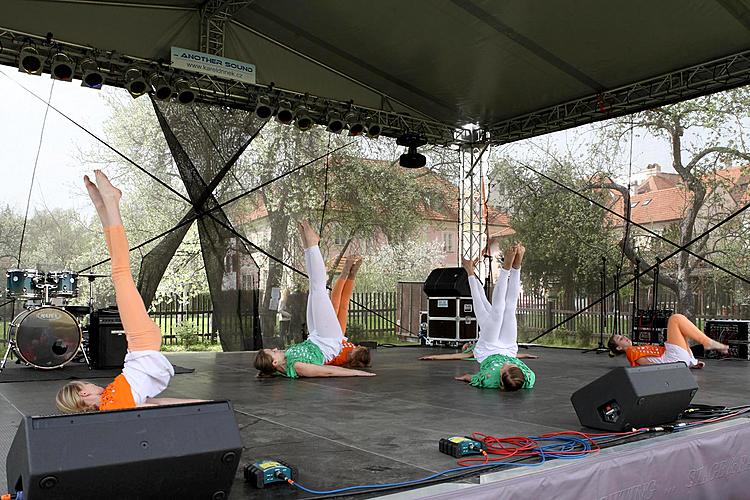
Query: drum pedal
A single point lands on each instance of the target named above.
(262, 473)
(460, 446)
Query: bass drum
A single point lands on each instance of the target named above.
(46, 337)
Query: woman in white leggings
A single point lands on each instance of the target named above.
(308, 358)
(497, 348)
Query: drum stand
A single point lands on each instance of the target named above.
(11, 346)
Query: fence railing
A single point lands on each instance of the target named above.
(179, 318)
(372, 314)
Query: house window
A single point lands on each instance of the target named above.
(448, 242)
(633, 205)
(646, 202)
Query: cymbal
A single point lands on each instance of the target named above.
(89, 275)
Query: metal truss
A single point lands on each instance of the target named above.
(214, 15)
(695, 81)
(215, 90)
(471, 223)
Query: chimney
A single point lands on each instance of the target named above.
(653, 168)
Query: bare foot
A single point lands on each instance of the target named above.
(527, 356)
(309, 236)
(111, 198)
(355, 266)
(468, 265)
(700, 365)
(96, 198)
(347, 269)
(718, 346)
(520, 251)
(110, 194)
(508, 257)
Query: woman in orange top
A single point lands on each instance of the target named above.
(351, 355)
(676, 348)
(146, 372)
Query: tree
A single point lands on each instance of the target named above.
(565, 235)
(703, 135)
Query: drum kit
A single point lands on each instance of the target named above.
(47, 334)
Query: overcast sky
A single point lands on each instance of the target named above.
(58, 176)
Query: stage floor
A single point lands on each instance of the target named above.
(339, 432)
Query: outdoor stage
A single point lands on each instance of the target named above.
(339, 432)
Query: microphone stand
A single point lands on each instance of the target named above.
(600, 348)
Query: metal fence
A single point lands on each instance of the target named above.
(183, 319)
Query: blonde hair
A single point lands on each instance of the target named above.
(68, 399)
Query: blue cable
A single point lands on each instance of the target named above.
(569, 443)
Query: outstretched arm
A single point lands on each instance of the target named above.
(466, 377)
(458, 355)
(311, 370)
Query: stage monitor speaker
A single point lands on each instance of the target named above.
(181, 451)
(108, 344)
(447, 282)
(636, 397)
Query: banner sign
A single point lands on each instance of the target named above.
(209, 64)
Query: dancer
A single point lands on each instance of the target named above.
(497, 349)
(351, 355)
(146, 372)
(676, 348)
(307, 359)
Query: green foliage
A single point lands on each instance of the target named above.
(405, 261)
(565, 235)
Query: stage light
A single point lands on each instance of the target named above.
(29, 61)
(62, 67)
(412, 159)
(302, 119)
(373, 127)
(263, 109)
(162, 89)
(185, 94)
(284, 114)
(335, 123)
(90, 75)
(356, 127)
(134, 82)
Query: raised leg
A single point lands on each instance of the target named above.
(141, 332)
(679, 329)
(509, 328)
(321, 316)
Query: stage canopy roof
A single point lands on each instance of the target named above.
(517, 68)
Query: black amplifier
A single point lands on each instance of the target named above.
(738, 350)
(652, 318)
(728, 330)
(454, 330)
(643, 335)
(108, 344)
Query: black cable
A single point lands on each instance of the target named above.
(221, 205)
(33, 174)
(639, 226)
(325, 190)
(675, 252)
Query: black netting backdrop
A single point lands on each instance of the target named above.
(206, 142)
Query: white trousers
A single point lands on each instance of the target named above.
(322, 322)
(498, 329)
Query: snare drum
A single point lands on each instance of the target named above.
(24, 284)
(46, 337)
(64, 284)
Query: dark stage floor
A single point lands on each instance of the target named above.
(344, 431)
